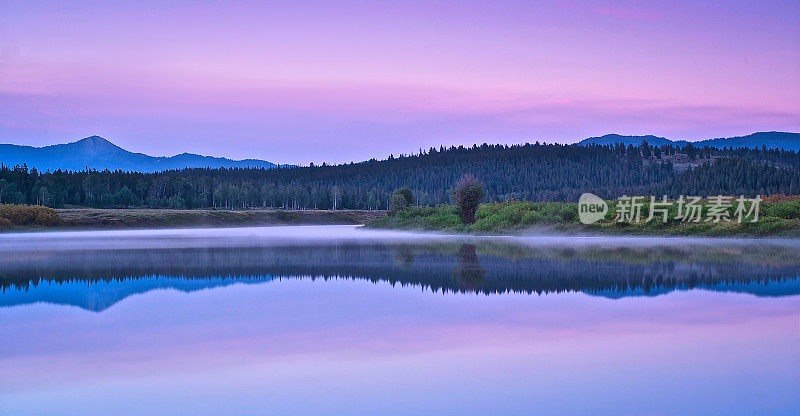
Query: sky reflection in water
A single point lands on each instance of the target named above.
(440, 326)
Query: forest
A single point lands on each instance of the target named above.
(529, 172)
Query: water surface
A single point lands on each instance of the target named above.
(342, 321)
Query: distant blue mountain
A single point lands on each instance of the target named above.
(98, 153)
(772, 140)
(626, 140)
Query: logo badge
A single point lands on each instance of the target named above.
(591, 208)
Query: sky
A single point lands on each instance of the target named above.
(313, 81)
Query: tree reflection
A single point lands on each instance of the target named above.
(403, 257)
(468, 272)
(477, 267)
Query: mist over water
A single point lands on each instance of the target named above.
(307, 320)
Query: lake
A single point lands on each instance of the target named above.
(337, 320)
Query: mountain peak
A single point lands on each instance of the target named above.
(95, 152)
(96, 140)
(96, 146)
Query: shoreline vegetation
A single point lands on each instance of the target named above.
(32, 218)
(779, 217)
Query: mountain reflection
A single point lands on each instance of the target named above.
(96, 279)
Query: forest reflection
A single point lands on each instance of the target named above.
(482, 267)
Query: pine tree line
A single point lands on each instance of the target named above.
(534, 172)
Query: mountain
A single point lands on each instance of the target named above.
(98, 153)
(626, 140)
(771, 139)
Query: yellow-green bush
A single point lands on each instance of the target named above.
(13, 215)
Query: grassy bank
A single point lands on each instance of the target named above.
(31, 217)
(778, 218)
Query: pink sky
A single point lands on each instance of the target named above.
(297, 82)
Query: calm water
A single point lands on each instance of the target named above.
(340, 321)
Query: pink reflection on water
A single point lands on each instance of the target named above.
(344, 347)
